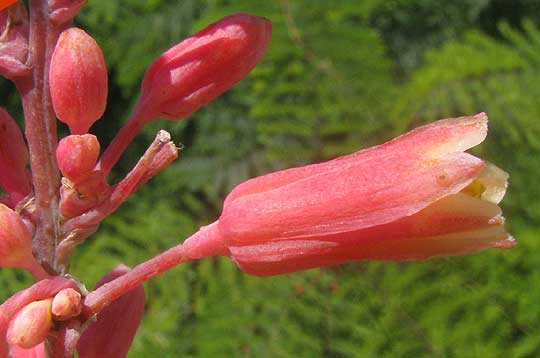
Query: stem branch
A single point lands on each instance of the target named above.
(120, 142)
(109, 292)
(41, 131)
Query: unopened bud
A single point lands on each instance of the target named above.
(77, 155)
(14, 177)
(78, 80)
(202, 67)
(31, 325)
(15, 240)
(66, 304)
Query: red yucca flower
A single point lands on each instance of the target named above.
(417, 196)
(414, 197)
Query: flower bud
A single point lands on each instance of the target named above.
(66, 304)
(78, 80)
(77, 155)
(14, 177)
(202, 67)
(31, 325)
(15, 240)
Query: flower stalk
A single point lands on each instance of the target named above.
(41, 132)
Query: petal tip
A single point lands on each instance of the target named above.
(509, 243)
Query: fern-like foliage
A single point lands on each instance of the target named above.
(480, 73)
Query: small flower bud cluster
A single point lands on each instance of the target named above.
(82, 186)
(31, 325)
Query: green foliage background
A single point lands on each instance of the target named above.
(339, 76)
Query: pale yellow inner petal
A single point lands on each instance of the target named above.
(490, 185)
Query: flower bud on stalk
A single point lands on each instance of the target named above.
(14, 176)
(31, 325)
(78, 80)
(77, 155)
(194, 72)
(202, 67)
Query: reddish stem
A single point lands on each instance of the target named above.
(109, 292)
(120, 142)
(204, 243)
(37, 271)
(41, 131)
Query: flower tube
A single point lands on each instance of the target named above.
(414, 197)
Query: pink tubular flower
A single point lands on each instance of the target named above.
(414, 197)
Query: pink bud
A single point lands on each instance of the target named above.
(14, 41)
(203, 66)
(77, 155)
(78, 80)
(397, 201)
(14, 176)
(15, 241)
(112, 333)
(31, 325)
(66, 304)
